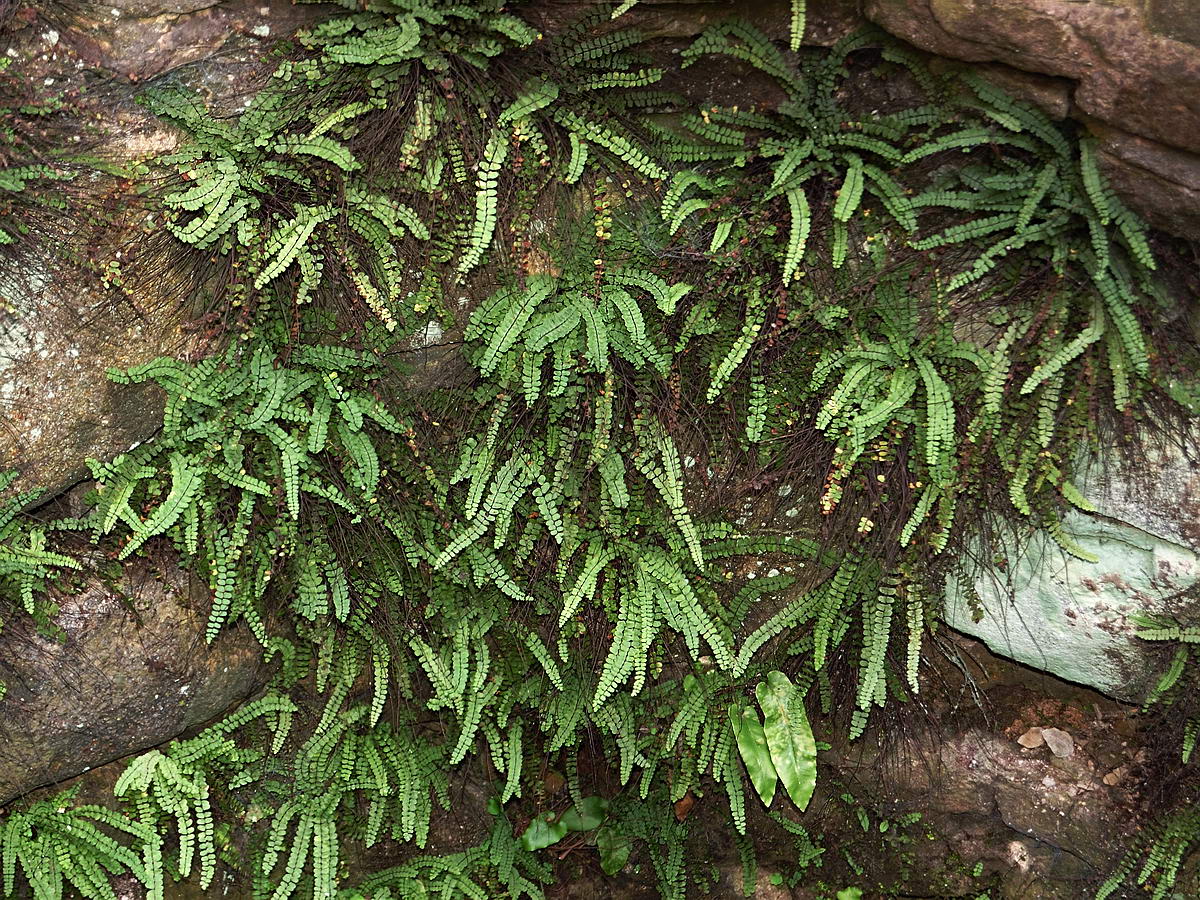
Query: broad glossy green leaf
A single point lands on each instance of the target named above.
(543, 831)
(549, 829)
(587, 814)
(789, 737)
(752, 745)
(614, 850)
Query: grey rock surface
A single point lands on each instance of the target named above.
(1070, 617)
(129, 670)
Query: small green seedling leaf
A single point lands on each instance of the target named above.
(542, 832)
(614, 850)
(548, 829)
(587, 814)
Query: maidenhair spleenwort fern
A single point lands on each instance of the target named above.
(255, 189)
(1154, 862)
(26, 562)
(60, 847)
(530, 565)
(1045, 195)
(176, 786)
(242, 432)
(806, 143)
(892, 379)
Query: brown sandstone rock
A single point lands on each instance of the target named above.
(132, 670)
(143, 38)
(1135, 67)
(1129, 74)
(1161, 182)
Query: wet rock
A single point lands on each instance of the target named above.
(769, 886)
(56, 344)
(1070, 617)
(1035, 824)
(1051, 811)
(130, 670)
(64, 320)
(1164, 181)
(1158, 493)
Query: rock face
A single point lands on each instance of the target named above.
(1162, 182)
(1134, 65)
(143, 38)
(134, 671)
(1060, 614)
(1039, 822)
(64, 323)
(995, 792)
(55, 345)
(131, 671)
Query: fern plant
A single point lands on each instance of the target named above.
(1045, 197)
(27, 563)
(255, 189)
(497, 867)
(175, 785)
(411, 32)
(1051, 198)
(809, 146)
(1161, 849)
(893, 378)
(241, 433)
(418, 45)
(57, 846)
(507, 572)
(1170, 686)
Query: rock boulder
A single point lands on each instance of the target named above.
(1061, 614)
(129, 670)
(1134, 66)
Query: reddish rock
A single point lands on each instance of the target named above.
(1128, 74)
(142, 38)
(1161, 182)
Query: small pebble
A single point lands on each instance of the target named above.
(1031, 738)
(1061, 744)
